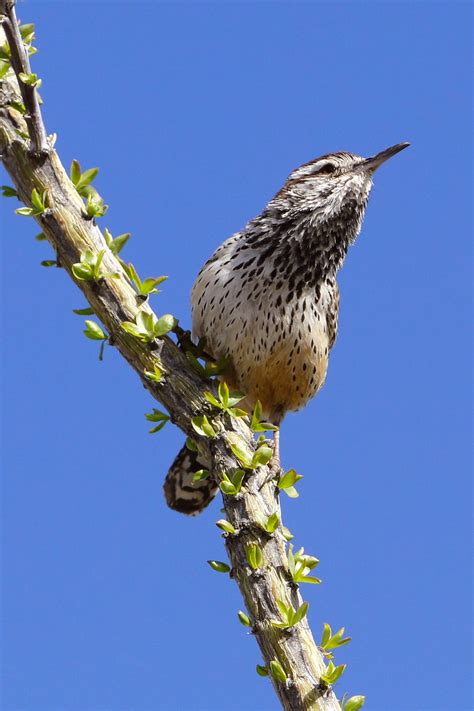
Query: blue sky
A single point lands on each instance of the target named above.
(195, 113)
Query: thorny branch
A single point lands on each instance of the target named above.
(180, 389)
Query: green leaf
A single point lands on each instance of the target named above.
(5, 51)
(272, 523)
(75, 171)
(98, 262)
(88, 257)
(300, 613)
(219, 566)
(300, 565)
(41, 237)
(146, 323)
(309, 579)
(82, 181)
(8, 191)
(354, 703)
(88, 268)
(82, 272)
(254, 556)
(338, 640)
(202, 426)
(280, 625)
(145, 287)
(241, 455)
(277, 671)
(326, 636)
(143, 328)
(164, 324)
(84, 312)
(283, 608)
(255, 423)
(133, 330)
(288, 479)
(30, 79)
(94, 331)
(332, 674)
(155, 374)
(261, 670)
(309, 561)
(39, 200)
(287, 534)
(227, 400)
(157, 416)
(291, 492)
(286, 483)
(234, 398)
(49, 263)
(88, 176)
(132, 274)
(211, 399)
(27, 31)
(158, 427)
(237, 479)
(116, 245)
(236, 412)
(95, 206)
(25, 211)
(289, 616)
(225, 526)
(191, 445)
(256, 415)
(338, 672)
(18, 106)
(4, 67)
(227, 488)
(223, 392)
(262, 456)
(148, 285)
(201, 474)
(244, 619)
(332, 641)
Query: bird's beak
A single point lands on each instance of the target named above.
(371, 164)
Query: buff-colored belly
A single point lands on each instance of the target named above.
(283, 376)
(282, 383)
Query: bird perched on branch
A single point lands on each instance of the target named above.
(268, 299)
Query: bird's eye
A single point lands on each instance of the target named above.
(327, 168)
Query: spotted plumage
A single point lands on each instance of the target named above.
(268, 298)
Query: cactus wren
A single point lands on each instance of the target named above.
(268, 298)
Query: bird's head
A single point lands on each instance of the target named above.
(332, 186)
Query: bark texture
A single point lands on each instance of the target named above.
(181, 392)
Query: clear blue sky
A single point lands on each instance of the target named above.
(195, 113)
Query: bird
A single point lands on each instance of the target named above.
(267, 300)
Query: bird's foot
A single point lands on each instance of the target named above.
(184, 339)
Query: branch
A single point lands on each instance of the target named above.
(21, 65)
(291, 656)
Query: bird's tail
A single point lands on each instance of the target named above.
(181, 492)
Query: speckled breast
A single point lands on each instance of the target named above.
(277, 339)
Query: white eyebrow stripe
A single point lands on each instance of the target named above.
(312, 169)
